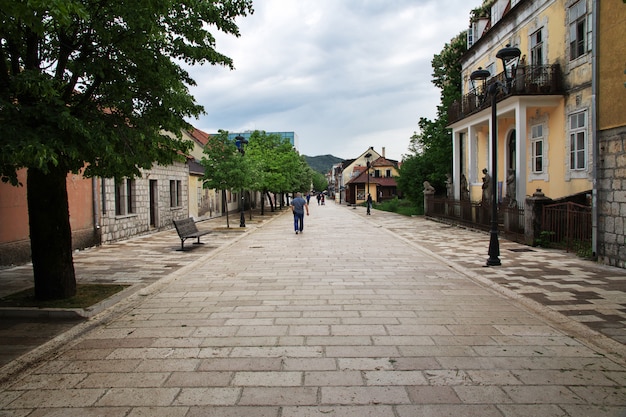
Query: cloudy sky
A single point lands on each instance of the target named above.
(343, 75)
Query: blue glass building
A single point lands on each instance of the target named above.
(291, 136)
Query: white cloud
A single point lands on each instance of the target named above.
(343, 74)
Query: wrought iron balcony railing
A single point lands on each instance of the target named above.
(529, 80)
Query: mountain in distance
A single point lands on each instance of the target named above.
(322, 163)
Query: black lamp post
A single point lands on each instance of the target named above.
(367, 159)
(510, 58)
(239, 142)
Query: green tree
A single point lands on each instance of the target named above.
(299, 173)
(225, 167)
(320, 183)
(276, 165)
(94, 85)
(431, 149)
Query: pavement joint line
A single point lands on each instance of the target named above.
(589, 337)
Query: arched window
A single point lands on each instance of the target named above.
(511, 151)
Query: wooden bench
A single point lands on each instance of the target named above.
(187, 229)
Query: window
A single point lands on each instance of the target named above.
(125, 197)
(536, 49)
(103, 195)
(578, 141)
(130, 196)
(512, 150)
(536, 140)
(360, 192)
(470, 35)
(119, 199)
(388, 173)
(175, 193)
(578, 29)
(377, 173)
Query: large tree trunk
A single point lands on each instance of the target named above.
(50, 234)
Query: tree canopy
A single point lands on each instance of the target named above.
(224, 166)
(270, 164)
(278, 167)
(100, 82)
(96, 85)
(320, 183)
(270, 154)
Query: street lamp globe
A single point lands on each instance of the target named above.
(479, 75)
(510, 59)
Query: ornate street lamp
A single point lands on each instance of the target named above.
(510, 59)
(239, 142)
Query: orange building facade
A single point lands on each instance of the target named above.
(14, 230)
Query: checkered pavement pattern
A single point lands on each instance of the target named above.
(585, 291)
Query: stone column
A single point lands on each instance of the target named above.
(533, 211)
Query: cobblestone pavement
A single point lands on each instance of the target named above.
(360, 315)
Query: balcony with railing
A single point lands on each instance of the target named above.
(528, 80)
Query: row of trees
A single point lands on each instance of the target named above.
(268, 163)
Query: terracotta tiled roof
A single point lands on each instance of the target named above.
(384, 162)
(382, 181)
(200, 136)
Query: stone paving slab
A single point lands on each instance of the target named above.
(136, 262)
(585, 291)
(351, 318)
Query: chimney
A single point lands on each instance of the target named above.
(383, 151)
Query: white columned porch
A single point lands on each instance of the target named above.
(456, 164)
(520, 153)
(472, 155)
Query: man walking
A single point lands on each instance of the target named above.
(298, 206)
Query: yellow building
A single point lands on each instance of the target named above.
(544, 119)
(371, 173)
(560, 115)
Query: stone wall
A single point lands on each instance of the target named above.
(611, 188)
(115, 227)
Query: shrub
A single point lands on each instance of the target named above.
(404, 207)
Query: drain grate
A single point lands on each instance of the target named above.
(522, 250)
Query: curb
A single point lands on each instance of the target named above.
(69, 313)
